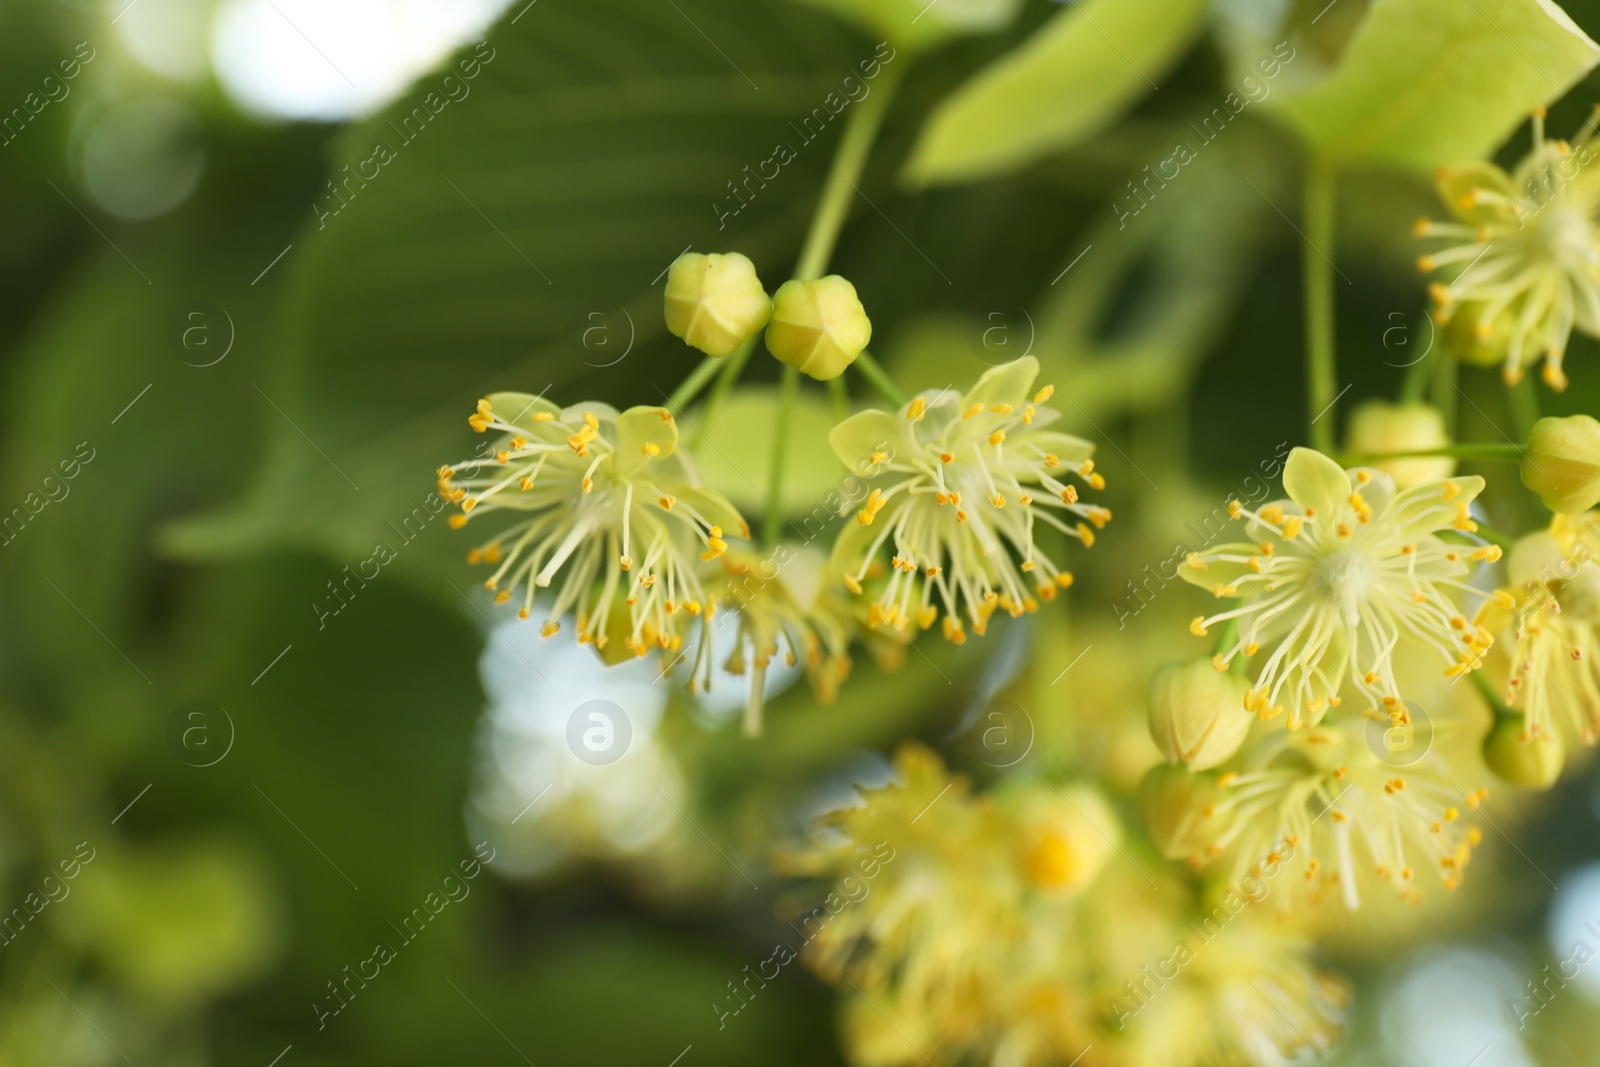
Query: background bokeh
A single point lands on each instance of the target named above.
(257, 759)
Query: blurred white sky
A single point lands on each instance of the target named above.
(321, 60)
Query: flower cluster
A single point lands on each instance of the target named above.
(620, 527)
(1013, 928)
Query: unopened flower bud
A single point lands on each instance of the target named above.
(1379, 426)
(818, 327)
(1562, 463)
(1176, 806)
(1197, 713)
(715, 302)
(1529, 761)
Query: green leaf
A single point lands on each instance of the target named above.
(1430, 82)
(1069, 81)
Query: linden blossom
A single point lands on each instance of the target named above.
(600, 486)
(1521, 288)
(1335, 575)
(783, 954)
(943, 502)
(1553, 613)
(1234, 901)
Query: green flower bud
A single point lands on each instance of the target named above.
(1530, 762)
(1379, 426)
(818, 327)
(1562, 463)
(1174, 804)
(715, 302)
(1197, 713)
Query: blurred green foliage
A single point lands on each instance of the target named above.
(180, 568)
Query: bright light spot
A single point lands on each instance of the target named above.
(1449, 1008)
(143, 158)
(334, 59)
(1575, 930)
(536, 798)
(168, 36)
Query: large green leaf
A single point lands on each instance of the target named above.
(1069, 81)
(523, 225)
(1429, 82)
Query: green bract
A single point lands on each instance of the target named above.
(1068, 81)
(1430, 82)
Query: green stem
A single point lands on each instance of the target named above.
(1444, 391)
(1490, 453)
(1524, 401)
(690, 387)
(840, 397)
(875, 374)
(732, 366)
(1415, 383)
(1227, 637)
(789, 385)
(1489, 695)
(855, 146)
(1495, 537)
(1321, 371)
(850, 159)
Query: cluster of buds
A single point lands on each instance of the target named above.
(716, 304)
